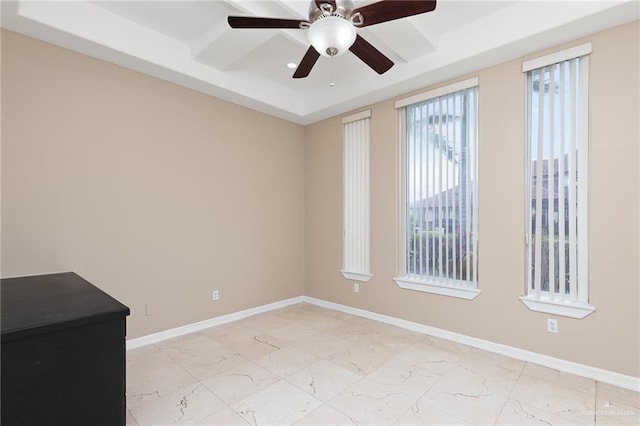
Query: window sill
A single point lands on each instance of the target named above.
(443, 290)
(550, 306)
(357, 276)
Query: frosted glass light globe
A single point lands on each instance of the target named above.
(331, 35)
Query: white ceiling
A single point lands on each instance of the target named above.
(191, 44)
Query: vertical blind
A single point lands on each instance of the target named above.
(356, 196)
(441, 189)
(557, 138)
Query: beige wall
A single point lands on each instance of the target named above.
(153, 192)
(609, 338)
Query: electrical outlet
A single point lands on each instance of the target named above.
(149, 309)
(215, 295)
(356, 288)
(552, 325)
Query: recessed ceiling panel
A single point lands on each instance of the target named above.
(270, 57)
(233, 46)
(451, 15)
(400, 41)
(182, 20)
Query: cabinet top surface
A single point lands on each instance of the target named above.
(37, 304)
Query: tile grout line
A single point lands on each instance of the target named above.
(506, 401)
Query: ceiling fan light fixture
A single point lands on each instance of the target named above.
(332, 35)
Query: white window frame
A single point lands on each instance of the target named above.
(356, 192)
(576, 303)
(452, 288)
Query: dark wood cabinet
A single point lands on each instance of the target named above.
(63, 352)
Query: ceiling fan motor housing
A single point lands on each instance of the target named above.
(343, 9)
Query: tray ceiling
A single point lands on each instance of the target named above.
(191, 44)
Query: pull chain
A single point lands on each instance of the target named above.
(332, 83)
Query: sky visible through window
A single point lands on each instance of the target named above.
(557, 109)
(435, 134)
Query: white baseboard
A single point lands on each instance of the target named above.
(150, 339)
(599, 374)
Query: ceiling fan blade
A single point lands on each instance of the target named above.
(252, 22)
(371, 56)
(388, 10)
(308, 61)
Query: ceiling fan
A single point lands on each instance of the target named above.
(332, 28)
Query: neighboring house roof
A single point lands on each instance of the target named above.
(545, 177)
(451, 197)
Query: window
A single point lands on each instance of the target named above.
(557, 167)
(439, 191)
(356, 196)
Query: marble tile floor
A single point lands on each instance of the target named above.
(306, 365)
